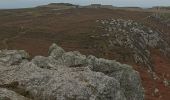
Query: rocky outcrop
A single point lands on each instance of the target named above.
(135, 38)
(66, 76)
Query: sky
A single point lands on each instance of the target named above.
(9, 4)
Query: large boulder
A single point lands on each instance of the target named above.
(128, 78)
(71, 76)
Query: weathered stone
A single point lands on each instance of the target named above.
(45, 62)
(12, 57)
(73, 58)
(63, 83)
(6, 94)
(111, 68)
(71, 76)
(129, 79)
(56, 51)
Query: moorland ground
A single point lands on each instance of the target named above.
(35, 29)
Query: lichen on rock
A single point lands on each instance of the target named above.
(70, 76)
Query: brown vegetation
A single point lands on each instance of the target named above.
(34, 30)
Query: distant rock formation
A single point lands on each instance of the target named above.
(66, 76)
(59, 6)
(99, 6)
(135, 38)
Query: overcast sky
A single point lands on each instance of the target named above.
(33, 3)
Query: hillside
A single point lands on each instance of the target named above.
(58, 6)
(88, 30)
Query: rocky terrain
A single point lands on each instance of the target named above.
(134, 37)
(90, 31)
(162, 17)
(66, 76)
